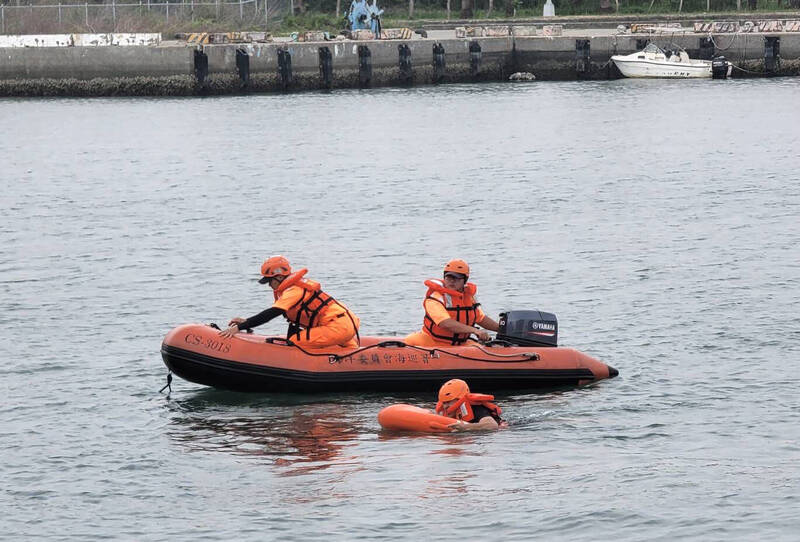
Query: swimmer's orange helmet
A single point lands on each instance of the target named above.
(453, 389)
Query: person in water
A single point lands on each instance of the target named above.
(316, 320)
(451, 311)
(474, 411)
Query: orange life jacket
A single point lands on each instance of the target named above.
(462, 409)
(462, 307)
(305, 313)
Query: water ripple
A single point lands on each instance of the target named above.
(663, 237)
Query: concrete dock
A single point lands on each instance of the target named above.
(177, 68)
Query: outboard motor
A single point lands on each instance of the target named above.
(719, 68)
(528, 328)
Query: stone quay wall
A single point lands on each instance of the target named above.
(181, 69)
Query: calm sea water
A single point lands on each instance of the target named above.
(658, 220)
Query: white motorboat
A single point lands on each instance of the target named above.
(652, 61)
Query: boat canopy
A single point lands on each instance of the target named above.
(653, 48)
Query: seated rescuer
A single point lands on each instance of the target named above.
(474, 411)
(451, 310)
(316, 320)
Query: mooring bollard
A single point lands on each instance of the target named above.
(243, 68)
(474, 58)
(406, 72)
(325, 67)
(285, 67)
(364, 66)
(582, 57)
(438, 62)
(772, 54)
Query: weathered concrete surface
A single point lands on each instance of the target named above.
(82, 63)
(148, 69)
(37, 40)
(493, 63)
(593, 22)
(116, 39)
(80, 40)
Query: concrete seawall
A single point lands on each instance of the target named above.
(273, 67)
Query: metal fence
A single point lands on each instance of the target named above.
(130, 16)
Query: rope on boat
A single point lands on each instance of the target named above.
(168, 384)
(433, 352)
(530, 356)
(744, 70)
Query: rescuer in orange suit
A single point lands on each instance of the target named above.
(474, 411)
(451, 310)
(316, 320)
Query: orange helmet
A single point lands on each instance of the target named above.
(453, 389)
(457, 266)
(274, 266)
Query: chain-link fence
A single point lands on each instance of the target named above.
(140, 15)
(95, 16)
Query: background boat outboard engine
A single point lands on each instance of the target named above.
(719, 68)
(528, 328)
